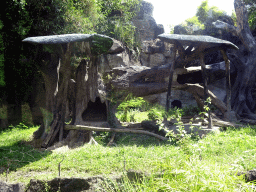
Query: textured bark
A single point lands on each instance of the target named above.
(60, 96)
(242, 101)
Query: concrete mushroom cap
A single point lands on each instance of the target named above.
(62, 39)
(196, 40)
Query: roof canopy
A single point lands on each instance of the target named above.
(196, 40)
(62, 39)
(99, 43)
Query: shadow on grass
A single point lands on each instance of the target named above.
(138, 139)
(19, 154)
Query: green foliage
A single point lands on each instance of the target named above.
(251, 13)
(202, 11)
(204, 17)
(193, 21)
(102, 137)
(155, 114)
(190, 110)
(81, 16)
(233, 16)
(116, 20)
(131, 102)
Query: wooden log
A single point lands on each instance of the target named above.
(104, 129)
(170, 79)
(206, 90)
(228, 82)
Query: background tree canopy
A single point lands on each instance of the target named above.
(205, 15)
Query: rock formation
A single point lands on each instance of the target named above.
(147, 28)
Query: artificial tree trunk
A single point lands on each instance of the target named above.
(242, 100)
(63, 94)
(60, 95)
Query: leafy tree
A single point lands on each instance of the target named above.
(202, 11)
(14, 27)
(116, 21)
(251, 8)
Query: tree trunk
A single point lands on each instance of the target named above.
(242, 100)
(60, 95)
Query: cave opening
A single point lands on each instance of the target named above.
(95, 111)
(177, 104)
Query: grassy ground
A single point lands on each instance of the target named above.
(208, 164)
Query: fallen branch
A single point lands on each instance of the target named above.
(104, 129)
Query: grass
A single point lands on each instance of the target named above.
(208, 164)
(133, 115)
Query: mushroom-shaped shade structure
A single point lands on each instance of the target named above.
(196, 40)
(99, 43)
(57, 89)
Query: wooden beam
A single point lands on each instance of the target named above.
(228, 82)
(104, 129)
(206, 90)
(168, 97)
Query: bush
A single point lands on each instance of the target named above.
(191, 110)
(154, 114)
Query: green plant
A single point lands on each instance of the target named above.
(129, 103)
(207, 109)
(195, 23)
(202, 11)
(155, 115)
(190, 110)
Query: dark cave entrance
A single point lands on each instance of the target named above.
(96, 111)
(176, 103)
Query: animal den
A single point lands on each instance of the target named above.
(143, 81)
(95, 111)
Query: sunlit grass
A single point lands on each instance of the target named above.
(209, 164)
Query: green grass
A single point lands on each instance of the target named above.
(133, 115)
(209, 164)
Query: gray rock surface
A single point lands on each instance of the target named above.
(155, 53)
(4, 187)
(147, 28)
(248, 175)
(156, 59)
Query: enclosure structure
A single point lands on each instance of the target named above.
(143, 81)
(192, 47)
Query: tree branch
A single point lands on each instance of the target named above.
(90, 128)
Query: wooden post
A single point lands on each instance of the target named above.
(206, 90)
(170, 79)
(228, 82)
